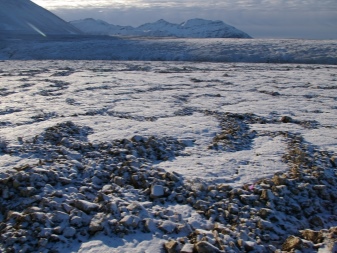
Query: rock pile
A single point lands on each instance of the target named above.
(78, 188)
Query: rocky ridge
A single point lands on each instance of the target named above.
(80, 189)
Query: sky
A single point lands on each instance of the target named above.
(307, 19)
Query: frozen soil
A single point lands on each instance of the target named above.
(167, 157)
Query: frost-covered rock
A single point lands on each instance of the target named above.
(171, 246)
(130, 221)
(187, 248)
(206, 247)
(85, 206)
(96, 223)
(69, 232)
(168, 226)
(59, 217)
(157, 191)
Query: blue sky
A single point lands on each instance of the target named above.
(310, 19)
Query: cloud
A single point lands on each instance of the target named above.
(239, 4)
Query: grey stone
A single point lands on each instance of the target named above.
(69, 232)
(130, 221)
(76, 221)
(59, 217)
(85, 206)
(206, 247)
(157, 191)
(96, 223)
(168, 226)
(187, 248)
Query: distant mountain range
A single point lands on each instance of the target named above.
(26, 17)
(23, 17)
(193, 28)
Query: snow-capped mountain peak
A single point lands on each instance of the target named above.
(193, 28)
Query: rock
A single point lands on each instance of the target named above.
(5, 193)
(185, 228)
(286, 119)
(119, 181)
(292, 243)
(96, 223)
(27, 191)
(168, 226)
(313, 236)
(247, 245)
(14, 215)
(65, 180)
(130, 221)
(265, 212)
(277, 180)
(248, 199)
(265, 225)
(85, 206)
(267, 195)
(171, 246)
(224, 187)
(59, 217)
(180, 199)
(333, 161)
(138, 138)
(76, 221)
(157, 191)
(187, 248)
(134, 207)
(69, 232)
(66, 207)
(233, 208)
(43, 242)
(173, 176)
(38, 216)
(58, 230)
(206, 247)
(201, 205)
(149, 225)
(316, 221)
(45, 233)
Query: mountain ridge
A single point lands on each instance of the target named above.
(25, 17)
(192, 28)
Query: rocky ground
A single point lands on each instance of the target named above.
(79, 189)
(76, 189)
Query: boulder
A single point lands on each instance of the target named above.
(171, 246)
(69, 232)
(292, 243)
(206, 247)
(157, 191)
(187, 248)
(313, 236)
(85, 206)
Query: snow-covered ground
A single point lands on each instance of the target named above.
(213, 123)
(168, 49)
